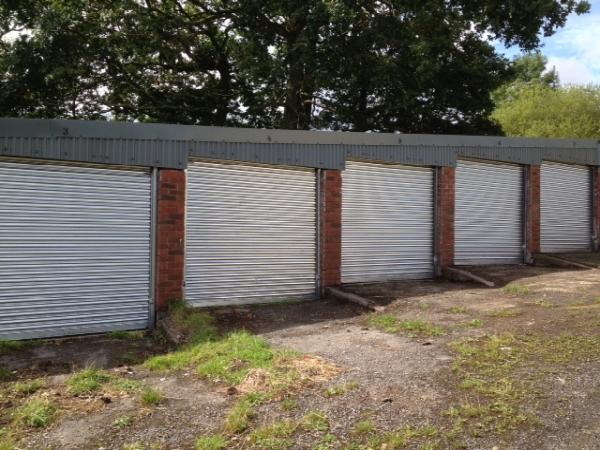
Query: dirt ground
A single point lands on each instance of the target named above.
(399, 378)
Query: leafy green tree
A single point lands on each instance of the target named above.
(394, 65)
(543, 111)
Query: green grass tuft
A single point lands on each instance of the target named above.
(28, 387)
(238, 419)
(517, 289)
(87, 382)
(363, 427)
(35, 413)
(289, 403)
(151, 397)
(126, 335)
(458, 310)
(341, 389)
(123, 421)
(275, 436)
(315, 421)
(212, 442)
(412, 327)
(475, 323)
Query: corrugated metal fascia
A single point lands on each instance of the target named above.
(583, 156)
(132, 152)
(419, 155)
(313, 156)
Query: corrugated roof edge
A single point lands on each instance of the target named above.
(172, 141)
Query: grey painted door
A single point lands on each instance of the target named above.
(387, 222)
(75, 247)
(251, 233)
(566, 208)
(488, 223)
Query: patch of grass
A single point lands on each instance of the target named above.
(543, 303)
(28, 387)
(315, 421)
(363, 427)
(35, 413)
(275, 436)
(238, 419)
(6, 442)
(328, 442)
(87, 382)
(134, 446)
(123, 421)
(414, 327)
(126, 385)
(8, 346)
(475, 323)
(212, 442)
(424, 306)
(197, 326)
(126, 335)
(517, 289)
(424, 436)
(5, 374)
(509, 312)
(341, 389)
(289, 403)
(151, 397)
(458, 310)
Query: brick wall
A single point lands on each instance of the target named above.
(170, 232)
(331, 228)
(446, 177)
(533, 216)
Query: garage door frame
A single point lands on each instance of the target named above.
(152, 173)
(431, 272)
(317, 232)
(590, 192)
(524, 207)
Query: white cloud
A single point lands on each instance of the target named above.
(571, 70)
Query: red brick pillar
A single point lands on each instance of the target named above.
(444, 240)
(170, 232)
(330, 228)
(596, 207)
(533, 214)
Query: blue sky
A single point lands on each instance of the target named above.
(575, 49)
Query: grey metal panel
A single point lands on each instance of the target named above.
(488, 223)
(566, 208)
(250, 234)
(289, 154)
(420, 155)
(74, 250)
(387, 222)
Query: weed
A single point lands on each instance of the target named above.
(364, 427)
(475, 323)
(289, 404)
(6, 442)
(458, 310)
(87, 382)
(513, 312)
(134, 446)
(238, 419)
(275, 436)
(542, 303)
(8, 346)
(334, 391)
(123, 421)
(315, 421)
(407, 435)
(126, 335)
(35, 413)
(197, 326)
(414, 327)
(5, 374)
(212, 442)
(151, 397)
(28, 388)
(424, 306)
(328, 442)
(516, 289)
(125, 384)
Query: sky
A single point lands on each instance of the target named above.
(574, 50)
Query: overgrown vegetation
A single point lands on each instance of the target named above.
(127, 335)
(151, 397)
(413, 327)
(35, 413)
(341, 389)
(517, 289)
(212, 442)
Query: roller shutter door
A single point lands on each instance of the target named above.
(387, 222)
(566, 208)
(488, 213)
(74, 250)
(251, 234)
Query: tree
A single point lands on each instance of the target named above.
(394, 65)
(543, 111)
(529, 69)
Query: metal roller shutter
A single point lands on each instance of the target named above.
(251, 233)
(488, 213)
(74, 250)
(387, 222)
(566, 208)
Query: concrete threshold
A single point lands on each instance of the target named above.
(460, 274)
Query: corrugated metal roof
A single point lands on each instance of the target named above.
(170, 146)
